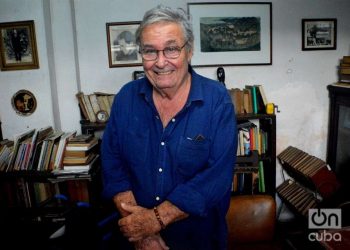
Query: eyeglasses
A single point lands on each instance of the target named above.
(171, 52)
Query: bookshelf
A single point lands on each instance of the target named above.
(250, 162)
(44, 201)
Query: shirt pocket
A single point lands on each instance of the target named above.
(136, 146)
(191, 156)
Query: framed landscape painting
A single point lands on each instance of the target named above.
(231, 33)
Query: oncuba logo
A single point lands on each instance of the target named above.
(324, 218)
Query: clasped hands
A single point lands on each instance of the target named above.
(142, 227)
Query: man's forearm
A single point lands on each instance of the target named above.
(170, 213)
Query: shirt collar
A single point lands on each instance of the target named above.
(196, 92)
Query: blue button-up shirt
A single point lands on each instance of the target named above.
(189, 162)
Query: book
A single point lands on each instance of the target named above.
(82, 138)
(61, 148)
(82, 146)
(18, 140)
(82, 105)
(88, 106)
(51, 150)
(94, 103)
(344, 70)
(78, 160)
(263, 95)
(261, 177)
(346, 59)
(83, 167)
(42, 134)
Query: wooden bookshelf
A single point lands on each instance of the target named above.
(268, 124)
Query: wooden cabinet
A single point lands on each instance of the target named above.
(338, 153)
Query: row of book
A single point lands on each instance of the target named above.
(251, 137)
(92, 104)
(249, 100)
(22, 193)
(44, 150)
(249, 179)
(344, 70)
(6, 151)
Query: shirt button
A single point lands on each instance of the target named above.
(162, 143)
(157, 198)
(173, 120)
(160, 170)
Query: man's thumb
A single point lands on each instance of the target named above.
(127, 207)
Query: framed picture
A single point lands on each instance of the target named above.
(24, 102)
(121, 43)
(319, 34)
(231, 33)
(18, 46)
(138, 74)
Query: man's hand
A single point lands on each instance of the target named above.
(139, 224)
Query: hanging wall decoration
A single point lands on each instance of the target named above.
(18, 46)
(24, 102)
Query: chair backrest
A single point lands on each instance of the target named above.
(251, 218)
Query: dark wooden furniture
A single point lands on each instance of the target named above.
(0, 132)
(268, 124)
(338, 154)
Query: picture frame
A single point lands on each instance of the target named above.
(319, 34)
(138, 74)
(231, 33)
(24, 102)
(18, 46)
(121, 43)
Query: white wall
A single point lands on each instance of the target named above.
(72, 47)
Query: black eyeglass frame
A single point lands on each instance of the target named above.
(178, 49)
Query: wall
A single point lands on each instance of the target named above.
(72, 47)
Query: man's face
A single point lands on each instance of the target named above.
(165, 73)
(127, 48)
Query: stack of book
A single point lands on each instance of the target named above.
(344, 71)
(80, 153)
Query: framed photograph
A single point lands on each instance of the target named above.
(319, 34)
(231, 33)
(18, 46)
(138, 74)
(121, 44)
(24, 102)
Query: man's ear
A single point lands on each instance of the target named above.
(189, 56)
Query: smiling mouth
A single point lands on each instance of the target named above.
(164, 73)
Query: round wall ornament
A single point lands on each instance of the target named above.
(24, 102)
